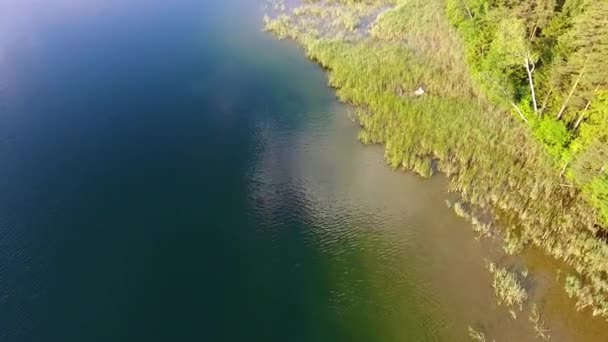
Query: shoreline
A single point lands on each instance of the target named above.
(380, 91)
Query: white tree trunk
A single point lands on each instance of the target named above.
(578, 79)
(530, 69)
(561, 174)
(582, 116)
(519, 111)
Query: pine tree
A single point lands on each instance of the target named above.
(581, 69)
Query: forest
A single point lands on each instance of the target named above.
(513, 110)
(547, 59)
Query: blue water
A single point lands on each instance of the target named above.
(167, 173)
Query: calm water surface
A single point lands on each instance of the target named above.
(171, 173)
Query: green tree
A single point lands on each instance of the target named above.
(583, 51)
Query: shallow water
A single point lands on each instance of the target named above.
(170, 172)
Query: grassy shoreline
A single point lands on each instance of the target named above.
(490, 158)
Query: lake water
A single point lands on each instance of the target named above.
(169, 172)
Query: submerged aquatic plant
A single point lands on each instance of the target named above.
(508, 288)
(539, 325)
(476, 335)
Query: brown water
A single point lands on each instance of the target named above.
(422, 254)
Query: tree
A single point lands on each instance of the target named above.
(583, 51)
(510, 50)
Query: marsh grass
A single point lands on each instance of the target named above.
(481, 229)
(491, 160)
(324, 19)
(476, 335)
(508, 287)
(588, 295)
